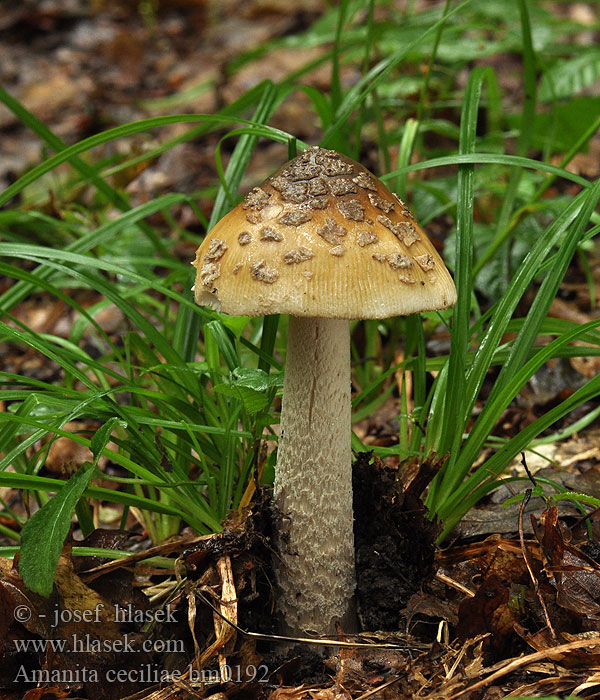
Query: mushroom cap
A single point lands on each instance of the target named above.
(322, 237)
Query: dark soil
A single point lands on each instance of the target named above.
(394, 540)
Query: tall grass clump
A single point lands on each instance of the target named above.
(181, 404)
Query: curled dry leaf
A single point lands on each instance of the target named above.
(575, 574)
(297, 693)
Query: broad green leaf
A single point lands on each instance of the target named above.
(254, 401)
(44, 534)
(257, 379)
(561, 128)
(570, 77)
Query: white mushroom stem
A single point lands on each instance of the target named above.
(313, 479)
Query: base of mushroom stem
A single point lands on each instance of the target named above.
(348, 625)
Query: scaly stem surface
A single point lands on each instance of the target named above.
(313, 480)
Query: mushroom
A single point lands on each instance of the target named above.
(324, 241)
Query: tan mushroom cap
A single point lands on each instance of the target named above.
(322, 237)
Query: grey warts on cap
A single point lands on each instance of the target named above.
(312, 225)
(364, 238)
(408, 233)
(270, 234)
(341, 186)
(209, 272)
(317, 187)
(331, 231)
(404, 231)
(261, 272)
(216, 250)
(380, 203)
(295, 218)
(301, 170)
(405, 210)
(425, 262)
(256, 199)
(365, 181)
(398, 261)
(295, 192)
(278, 182)
(388, 223)
(298, 255)
(352, 209)
(332, 164)
(319, 203)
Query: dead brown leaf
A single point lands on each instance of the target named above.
(298, 693)
(576, 576)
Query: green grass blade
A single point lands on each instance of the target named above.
(64, 156)
(454, 418)
(483, 480)
(102, 235)
(488, 158)
(359, 92)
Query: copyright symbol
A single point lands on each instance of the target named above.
(22, 613)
